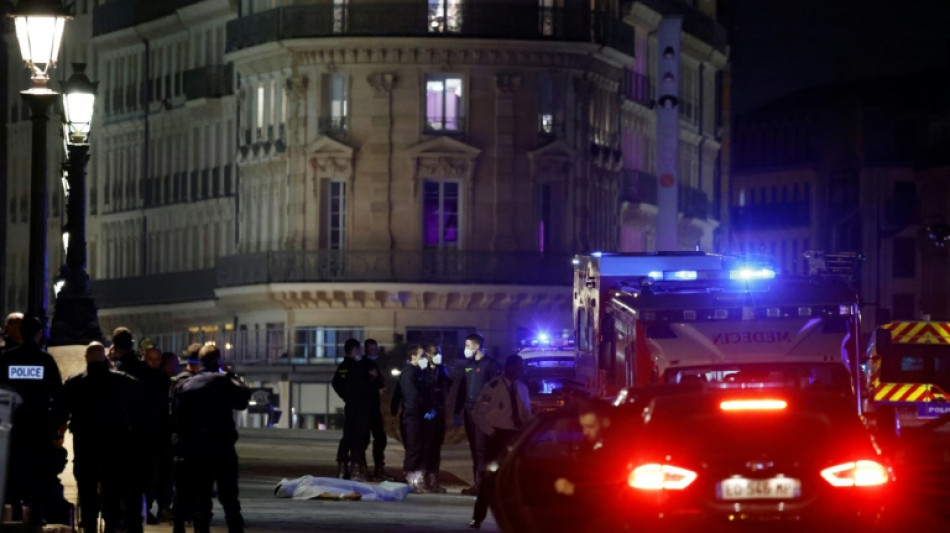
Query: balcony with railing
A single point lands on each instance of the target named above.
(211, 81)
(173, 287)
(637, 87)
(412, 18)
(333, 126)
(643, 188)
(417, 266)
(121, 14)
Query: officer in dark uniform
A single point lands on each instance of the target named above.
(352, 384)
(34, 462)
(416, 408)
(184, 495)
(207, 434)
(103, 406)
(377, 431)
(433, 429)
(11, 331)
(478, 370)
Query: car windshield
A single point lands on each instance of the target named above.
(917, 363)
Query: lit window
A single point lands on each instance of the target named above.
(315, 342)
(338, 102)
(440, 214)
(444, 104)
(546, 106)
(546, 17)
(339, 15)
(445, 16)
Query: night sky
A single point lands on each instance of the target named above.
(780, 46)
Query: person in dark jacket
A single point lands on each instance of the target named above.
(376, 429)
(478, 370)
(124, 357)
(433, 430)
(11, 331)
(206, 434)
(103, 407)
(184, 493)
(416, 408)
(34, 461)
(351, 382)
(156, 451)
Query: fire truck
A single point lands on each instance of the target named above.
(671, 317)
(909, 374)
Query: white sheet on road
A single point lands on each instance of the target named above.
(309, 488)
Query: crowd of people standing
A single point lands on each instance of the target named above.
(146, 434)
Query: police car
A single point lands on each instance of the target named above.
(548, 371)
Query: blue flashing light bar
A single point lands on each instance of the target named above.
(750, 274)
(682, 275)
(655, 275)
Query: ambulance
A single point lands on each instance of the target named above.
(673, 317)
(908, 374)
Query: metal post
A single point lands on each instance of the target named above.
(75, 319)
(37, 290)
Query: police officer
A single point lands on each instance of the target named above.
(352, 384)
(376, 429)
(103, 407)
(433, 430)
(206, 435)
(184, 493)
(11, 331)
(503, 409)
(478, 370)
(416, 408)
(34, 461)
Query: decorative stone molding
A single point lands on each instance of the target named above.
(443, 158)
(330, 158)
(382, 83)
(553, 162)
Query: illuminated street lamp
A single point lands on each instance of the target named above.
(39, 27)
(75, 318)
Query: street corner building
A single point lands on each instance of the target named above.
(278, 177)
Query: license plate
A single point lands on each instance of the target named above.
(741, 488)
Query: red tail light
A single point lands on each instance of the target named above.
(856, 474)
(753, 405)
(655, 476)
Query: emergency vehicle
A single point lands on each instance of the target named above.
(548, 371)
(647, 318)
(909, 373)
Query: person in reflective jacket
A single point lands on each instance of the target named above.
(206, 434)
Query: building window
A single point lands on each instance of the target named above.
(334, 214)
(340, 8)
(274, 341)
(546, 17)
(444, 104)
(445, 16)
(546, 107)
(336, 102)
(323, 343)
(440, 214)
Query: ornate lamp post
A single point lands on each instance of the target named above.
(74, 319)
(39, 29)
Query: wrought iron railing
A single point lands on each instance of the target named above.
(422, 266)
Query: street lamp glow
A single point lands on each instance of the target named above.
(79, 101)
(39, 30)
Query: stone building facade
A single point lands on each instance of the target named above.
(277, 176)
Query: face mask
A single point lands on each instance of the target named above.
(371, 357)
(437, 359)
(423, 363)
(469, 353)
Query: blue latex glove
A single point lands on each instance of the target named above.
(457, 423)
(430, 414)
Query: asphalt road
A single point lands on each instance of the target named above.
(269, 455)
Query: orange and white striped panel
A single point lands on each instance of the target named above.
(919, 332)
